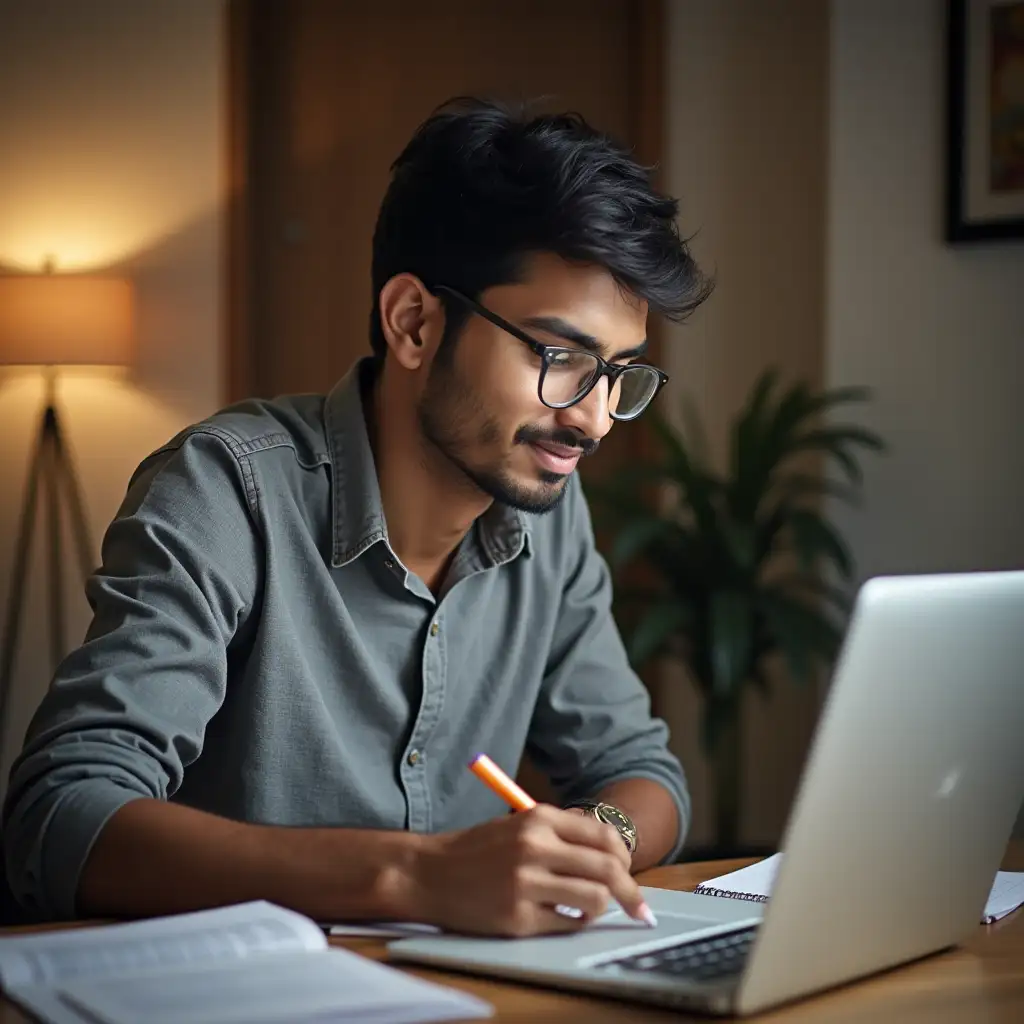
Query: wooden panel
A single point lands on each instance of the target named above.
(334, 90)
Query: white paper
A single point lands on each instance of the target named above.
(388, 930)
(332, 985)
(222, 935)
(1006, 895)
(753, 880)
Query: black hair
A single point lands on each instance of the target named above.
(480, 187)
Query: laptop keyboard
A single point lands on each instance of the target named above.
(699, 960)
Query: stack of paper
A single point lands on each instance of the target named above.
(254, 963)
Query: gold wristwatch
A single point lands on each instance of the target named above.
(610, 815)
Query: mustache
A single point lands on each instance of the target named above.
(534, 435)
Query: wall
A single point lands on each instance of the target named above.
(111, 128)
(937, 331)
(746, 156)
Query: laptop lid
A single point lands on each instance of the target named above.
(905, 806)
(911, 788)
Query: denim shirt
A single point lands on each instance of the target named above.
(258, 651)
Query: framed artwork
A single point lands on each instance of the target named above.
(985, 120)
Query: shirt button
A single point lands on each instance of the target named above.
(434, 629)
(413, 759)
(389, 563)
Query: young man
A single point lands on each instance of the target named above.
(313, 612)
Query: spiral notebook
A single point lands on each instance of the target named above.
(755, 883)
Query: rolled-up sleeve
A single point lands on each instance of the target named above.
(127, 711)
(593, 724)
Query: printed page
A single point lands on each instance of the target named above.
(332, 985)
(1006, 896)
(221, 935)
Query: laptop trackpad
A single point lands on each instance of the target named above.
(681, 916)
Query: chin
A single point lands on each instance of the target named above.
(536, 494)
(537, 498)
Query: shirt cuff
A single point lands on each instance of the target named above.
(74, 825)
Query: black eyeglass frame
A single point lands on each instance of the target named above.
(548, 353)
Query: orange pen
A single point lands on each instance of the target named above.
(491, 775)
(516, 797)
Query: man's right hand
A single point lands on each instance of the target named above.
(505, 877)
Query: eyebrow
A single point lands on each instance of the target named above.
(563, 329)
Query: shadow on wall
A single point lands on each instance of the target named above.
(169, 276)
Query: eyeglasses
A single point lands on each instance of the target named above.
(568, 375)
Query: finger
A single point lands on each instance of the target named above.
(547, 920)
(619, 848)
(557, 891)
(576, 828)
(579, 862)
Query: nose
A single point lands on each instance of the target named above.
(589, 417)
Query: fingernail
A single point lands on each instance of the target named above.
(565, 911)
(647, 915)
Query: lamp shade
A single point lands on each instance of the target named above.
(69, 319)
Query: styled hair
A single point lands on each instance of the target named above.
(480, 187)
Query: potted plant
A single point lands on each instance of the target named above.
(738, 563)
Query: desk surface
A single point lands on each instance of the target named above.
(982, 982)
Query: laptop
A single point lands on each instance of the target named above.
(906, 803)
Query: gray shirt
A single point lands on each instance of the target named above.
(258, 651)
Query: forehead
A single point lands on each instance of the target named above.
(584, 295)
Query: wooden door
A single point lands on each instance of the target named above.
(324, 95)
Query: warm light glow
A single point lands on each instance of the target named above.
(76, 247)
(91, 217)
(59, 319)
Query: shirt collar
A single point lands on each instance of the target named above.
(357, 513)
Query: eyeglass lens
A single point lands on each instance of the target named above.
(569, 375)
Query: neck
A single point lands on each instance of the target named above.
(429, 506)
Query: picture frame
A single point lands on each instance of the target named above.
(985, 120)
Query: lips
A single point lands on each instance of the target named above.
(556, 458)
(563, 451)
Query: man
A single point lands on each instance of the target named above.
(313, 612)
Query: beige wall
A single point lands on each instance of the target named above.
(746, 155)
(938, 331)
(111, 130)
(806, 143)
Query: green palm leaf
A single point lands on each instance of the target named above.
(814, 538)
(660, 622)
(803, 634)
(732, 637)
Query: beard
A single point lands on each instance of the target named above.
(453, 419)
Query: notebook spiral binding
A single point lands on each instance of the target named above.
(750, 897)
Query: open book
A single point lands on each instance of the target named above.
(755, 883)
(252, 963)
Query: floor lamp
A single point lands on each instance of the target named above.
(49, 321)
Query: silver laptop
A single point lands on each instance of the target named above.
(906, 803)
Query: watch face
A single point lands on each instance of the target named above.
(613, 816)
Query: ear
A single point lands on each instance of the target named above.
(412, 320)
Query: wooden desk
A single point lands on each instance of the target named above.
(982, 982)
